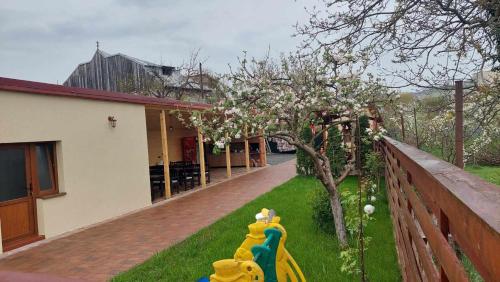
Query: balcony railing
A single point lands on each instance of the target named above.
(440, 214)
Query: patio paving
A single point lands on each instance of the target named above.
(277, 158)
(102, 251)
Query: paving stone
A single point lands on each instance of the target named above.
(99, 252)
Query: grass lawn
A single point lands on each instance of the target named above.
(488, 173)
(316, 252)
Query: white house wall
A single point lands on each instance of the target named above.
(103, 170)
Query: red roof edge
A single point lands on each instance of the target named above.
(32, 87)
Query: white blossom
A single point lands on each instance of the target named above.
(369, 209)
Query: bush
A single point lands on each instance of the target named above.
(366, 142)
(489, 155)
(305, 165)
(335, 152)
(322, 211)
(374, 167)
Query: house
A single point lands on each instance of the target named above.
(122, 73)
(72, 157)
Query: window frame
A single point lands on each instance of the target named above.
(52, 159)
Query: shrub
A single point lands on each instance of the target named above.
(305, 165)
(366, 142)
(489, 155)
(335, 152)
(374, 167)
(322, 211)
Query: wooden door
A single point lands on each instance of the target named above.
(189, 149)
(17, 211)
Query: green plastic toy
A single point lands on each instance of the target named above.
(262, 257)
(265, 254)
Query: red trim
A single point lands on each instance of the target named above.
(32, 87)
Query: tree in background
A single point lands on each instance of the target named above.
(429, 42)
(182, 83)
(429, 121)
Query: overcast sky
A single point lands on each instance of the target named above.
(45, 40)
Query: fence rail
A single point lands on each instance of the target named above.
(440, 213)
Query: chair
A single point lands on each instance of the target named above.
(187, 176)
(197, 173)
(175, 180)
(157, 182)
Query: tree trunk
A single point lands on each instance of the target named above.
(325, 175)
(338, 217)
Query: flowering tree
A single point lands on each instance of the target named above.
(434, 117)
(427, 44)
(421, 42)
(481, 123)
(278, 99)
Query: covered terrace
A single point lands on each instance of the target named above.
(179, 160)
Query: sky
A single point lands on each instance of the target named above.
(45, 40)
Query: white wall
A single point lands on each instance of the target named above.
(103, 170)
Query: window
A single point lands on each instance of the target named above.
(44, 175)
(12, 173)
(27, 169)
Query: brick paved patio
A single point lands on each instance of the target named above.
(100, 252)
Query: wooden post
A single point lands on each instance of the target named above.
(403, 127)
(262, 149)
(459, 124)
(1, 245)
(201, 151)
(325, 140)
(164, 147)
(228, 159)
(416, 127)
(265, 150)
(247, 149)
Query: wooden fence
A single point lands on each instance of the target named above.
(440, 214)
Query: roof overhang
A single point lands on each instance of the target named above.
(31, 87)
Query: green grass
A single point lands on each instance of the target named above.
(316, 252)
(488, 173)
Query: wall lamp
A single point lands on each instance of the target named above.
(112, 121)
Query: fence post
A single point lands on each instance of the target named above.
(416, 127)
(459, 124)
(403, 127)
